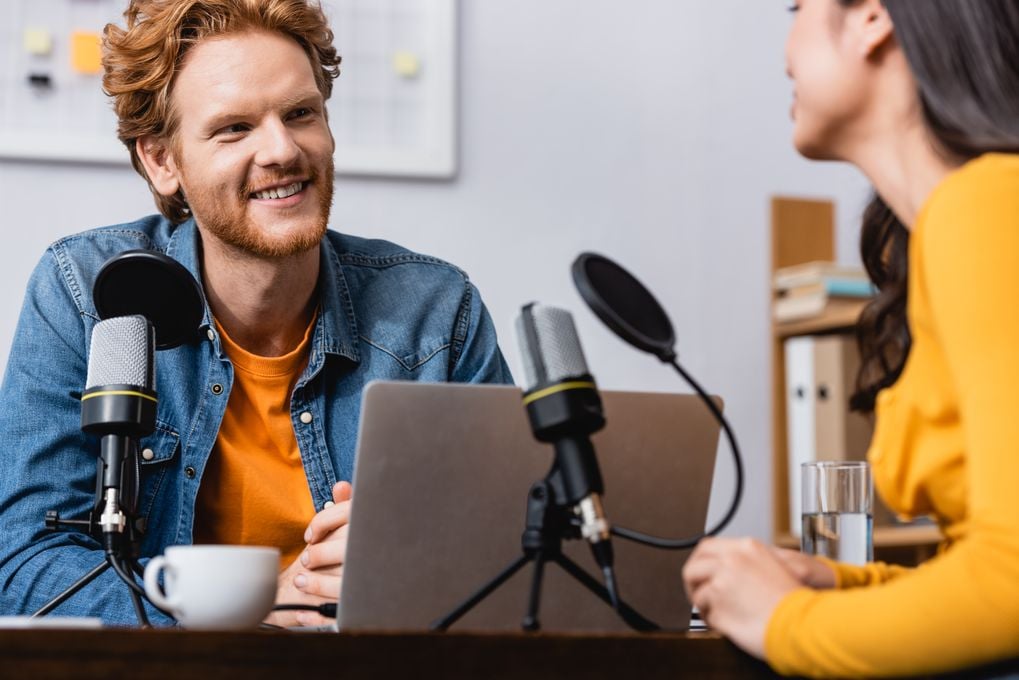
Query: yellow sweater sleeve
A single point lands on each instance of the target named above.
(854, 576)
(962, 607)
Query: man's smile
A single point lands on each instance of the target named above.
(282, 195)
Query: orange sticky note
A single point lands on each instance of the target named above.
(86, 52)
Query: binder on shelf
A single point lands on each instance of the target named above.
(820, 377)
(802, 448)
(841, 434)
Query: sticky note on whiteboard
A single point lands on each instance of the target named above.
(38, 41)
(406, 64)
(86, 52)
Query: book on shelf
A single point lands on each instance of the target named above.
(799, 307)
(811, 273)
(807, 290)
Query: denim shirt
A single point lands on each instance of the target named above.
(385, 313)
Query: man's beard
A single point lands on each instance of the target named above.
(234, 229)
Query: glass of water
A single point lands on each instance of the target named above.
(838, 511)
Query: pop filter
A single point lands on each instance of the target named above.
(155, 286)
(624, 305)
(632, 312)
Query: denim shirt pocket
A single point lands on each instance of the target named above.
(156, 451)
(410, 359)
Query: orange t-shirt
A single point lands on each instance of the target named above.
(254, 490)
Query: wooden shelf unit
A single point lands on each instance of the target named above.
(803, 230)
(908, 536)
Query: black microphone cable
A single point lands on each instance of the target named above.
(685, 543)
(326, 609)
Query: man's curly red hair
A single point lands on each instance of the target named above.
(142, 60)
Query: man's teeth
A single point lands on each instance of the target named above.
(280, 192)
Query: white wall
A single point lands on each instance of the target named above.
(653, 131)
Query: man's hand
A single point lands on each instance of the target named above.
(736, 585)
(315, 576)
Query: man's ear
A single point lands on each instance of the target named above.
(872, 27)
(160, 165)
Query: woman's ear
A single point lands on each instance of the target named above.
(160, 165)
(872, 27)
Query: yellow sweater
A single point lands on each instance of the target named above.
(946, 443)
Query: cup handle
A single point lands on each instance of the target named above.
(152, 589)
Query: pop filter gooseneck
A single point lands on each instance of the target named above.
(629, 309)
(153, 285)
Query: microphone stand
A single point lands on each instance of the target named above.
(549, 522)
(174, 304)
(113, 521)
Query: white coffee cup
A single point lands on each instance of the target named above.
(215, 587)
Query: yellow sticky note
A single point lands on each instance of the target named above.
(38, 41)
(86, 52)
(406, 64)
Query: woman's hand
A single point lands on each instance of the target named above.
(806, 569)
(736, 585)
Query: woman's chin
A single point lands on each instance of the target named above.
(810, 147)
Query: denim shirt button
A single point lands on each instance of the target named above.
(211, 334)
(328, 504)
(148, 454)
(217, 388)
(189, 472)
(306, 417)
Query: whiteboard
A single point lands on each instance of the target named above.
(393, 109)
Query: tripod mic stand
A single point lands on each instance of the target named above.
(113, 521)
(549, 522)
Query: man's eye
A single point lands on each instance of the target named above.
(301, 112)
(234, 129)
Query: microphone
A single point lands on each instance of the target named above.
(147, 301)
(119, 406)
(564, 409)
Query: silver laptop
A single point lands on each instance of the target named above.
(440, 490)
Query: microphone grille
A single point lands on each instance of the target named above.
(549, 345)
(122, 353)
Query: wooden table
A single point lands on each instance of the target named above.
(118, 653)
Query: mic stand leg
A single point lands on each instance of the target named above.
(116, 483)
(627, 613)
(531, 622)
(547, 524)
(112, 560)
(78, 585)
(484, 591)
(139, 608)
(125, 567)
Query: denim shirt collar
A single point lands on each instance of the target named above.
(336, 327)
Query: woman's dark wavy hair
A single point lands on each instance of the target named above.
(964, 56)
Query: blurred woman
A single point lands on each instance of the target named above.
(923, 97)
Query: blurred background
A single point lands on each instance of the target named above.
(653, 131)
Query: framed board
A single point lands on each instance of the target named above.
(393, 109)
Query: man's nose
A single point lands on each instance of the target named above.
(276, 145)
